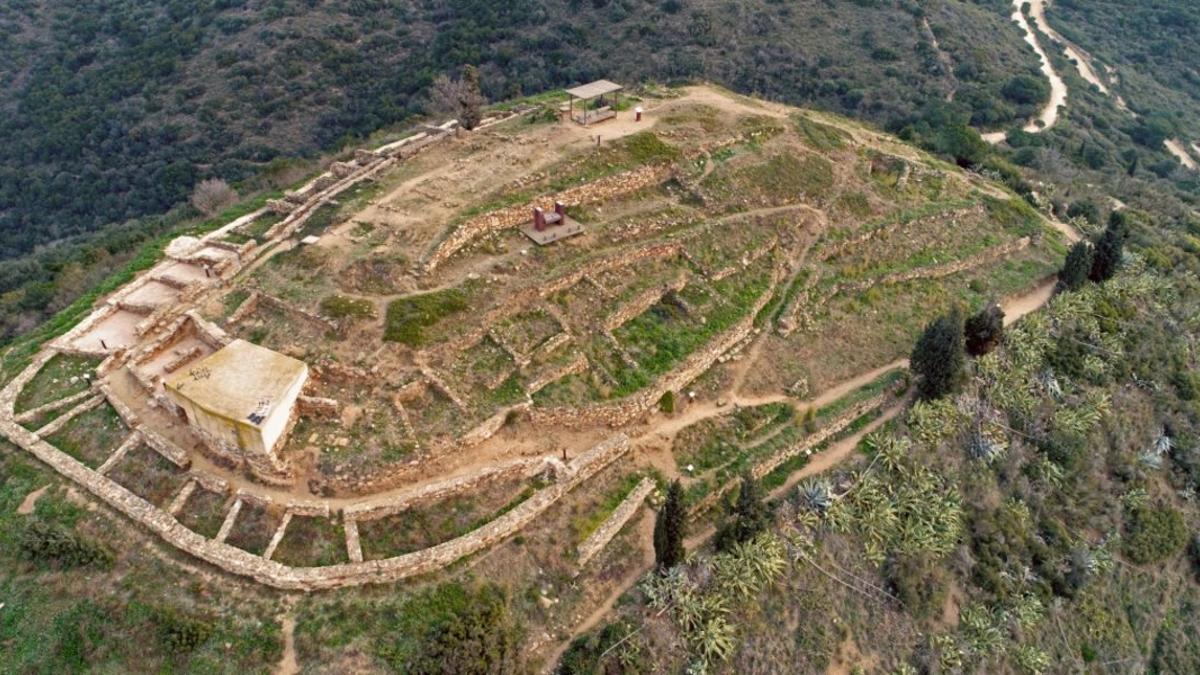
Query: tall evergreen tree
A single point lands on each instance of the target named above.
(1107, 258)
(1077, 267)
(984, 331)
(471, 101)
(938, 356)
(748, 516)
(669, 530)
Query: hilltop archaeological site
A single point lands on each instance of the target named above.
(462, 337)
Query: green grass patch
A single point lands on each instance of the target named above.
(407, 317)
(584, 525)
(340, 307)
(54, 381)
(148, 475)
(874, 387)
(820, 136)
(91, 436)
(312, 541)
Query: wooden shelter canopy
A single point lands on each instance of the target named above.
(594, 89)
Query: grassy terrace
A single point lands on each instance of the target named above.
(91, 436)
(63, 375)
(720, 449)
(431, 524)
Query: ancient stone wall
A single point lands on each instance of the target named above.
(609, 529)
(237, 561)
(521, 299)
(599, 190)
(247, 307)
(642, 302)
(695, 365)
(804, 307)
(578, 365)
(803, 446)
(443, 489)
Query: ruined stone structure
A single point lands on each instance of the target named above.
(242, 401)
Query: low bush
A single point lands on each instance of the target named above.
(1153, 534)
(44, 542)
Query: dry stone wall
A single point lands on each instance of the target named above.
(695, 365)
(600, 190)
(609, 529)
(805, 445)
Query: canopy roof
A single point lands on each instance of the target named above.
(594, 89)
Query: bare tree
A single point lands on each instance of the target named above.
(211, 195)
(444, 95)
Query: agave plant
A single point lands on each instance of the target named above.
(1028, 611)
(815, 494)
(1031, 660)
(714, 641)
(950, 656)
(931, 421)
(1135, 498)
(981, 627)
(985, 447)
(1050, 384)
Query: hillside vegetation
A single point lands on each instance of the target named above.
(117, 109)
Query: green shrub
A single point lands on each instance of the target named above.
(179, 633)
(820, 136)
(667, 402)
(44, 542)
(1153, 534)
(453, 628)
(919, 582)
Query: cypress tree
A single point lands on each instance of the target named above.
(985, 330)
(1076, 268)
(748, 516)
(938, 356)
(1107, 258)
(471, 99)
(669, 530)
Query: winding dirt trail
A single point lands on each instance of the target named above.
(1083, 61)
(1048, 116)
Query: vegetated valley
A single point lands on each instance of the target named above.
(863, 359)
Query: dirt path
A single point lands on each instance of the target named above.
(288, 665)
(1083, 61)
(943, 59)
(1048, 116)
(30, 501)
(819, 463)
(840, 451)
(645, 537)
(1176, 148)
